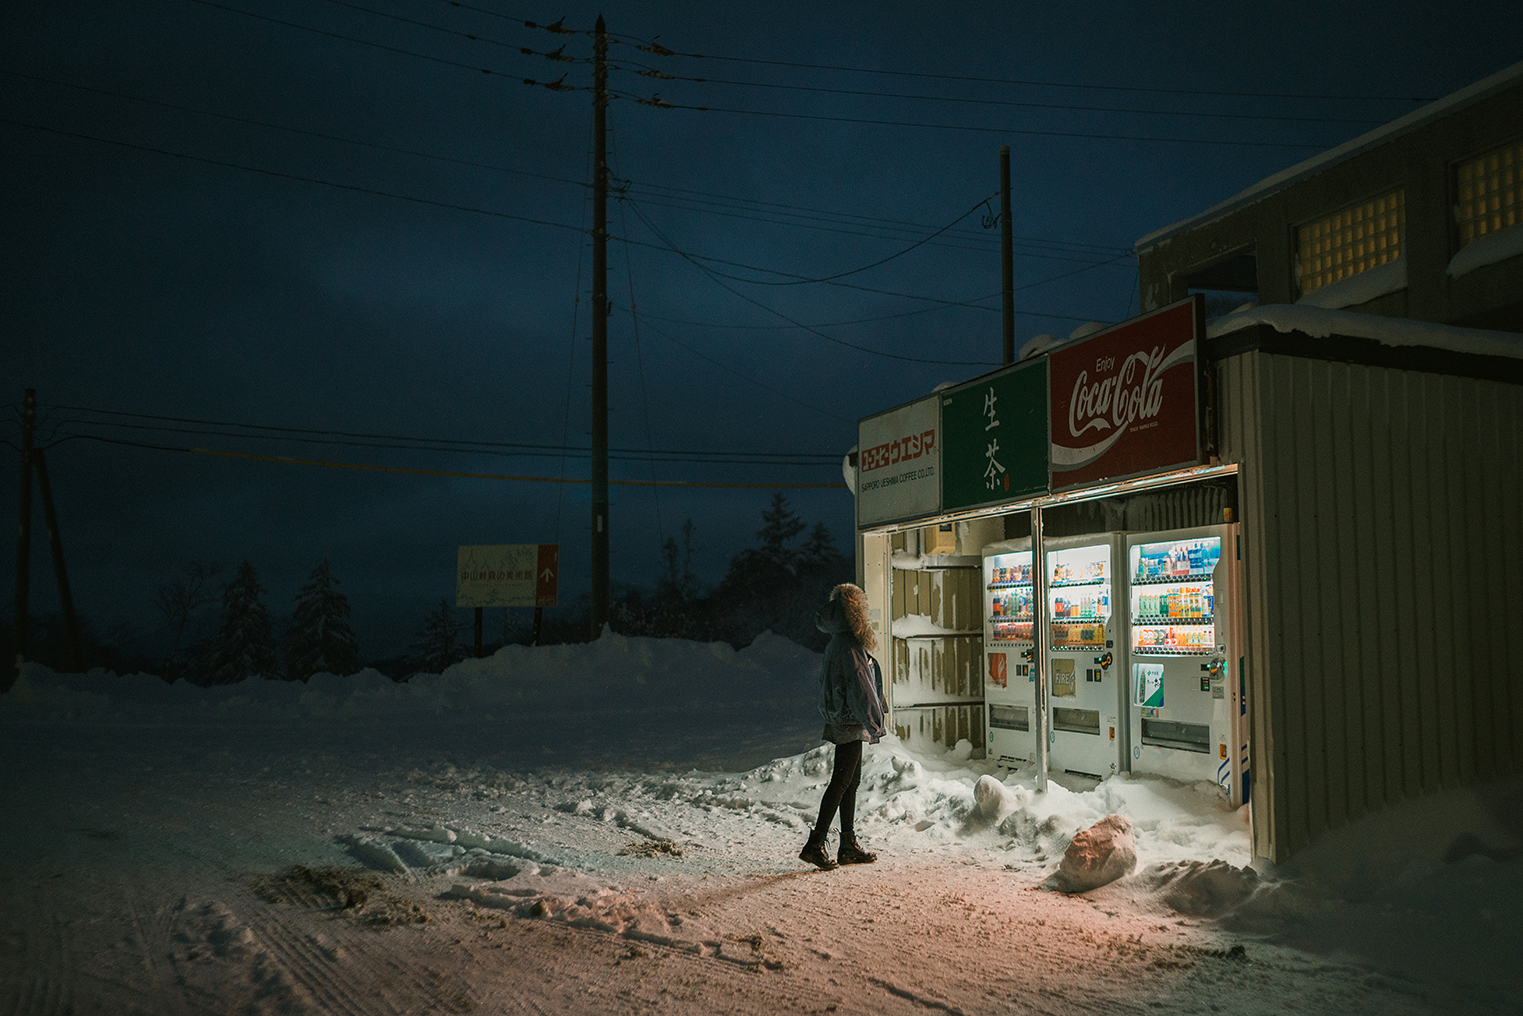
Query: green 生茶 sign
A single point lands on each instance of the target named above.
(994, 437)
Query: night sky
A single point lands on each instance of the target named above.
(323, 216)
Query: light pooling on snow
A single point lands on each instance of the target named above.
(1432, 890)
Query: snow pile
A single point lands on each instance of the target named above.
(613, 673)
(1487, 250)
(1361, 287)
(1320, 322)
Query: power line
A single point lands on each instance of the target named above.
(448, 31)
(439, 472)
(748, 379)
(990, 246)
(969, 127)
(292, 176)
(801, 280)
(713, 277)
(630, 40)
(845, 216)
(362, 42)
(312, 435)
(298, 130)
(446, 205)
(792, 211)
(1003, 102)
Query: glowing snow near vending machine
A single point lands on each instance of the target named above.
(1186, 708)
(1009, 688)
(1084, 696)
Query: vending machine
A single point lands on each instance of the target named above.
(1084, 693)
(1187, 704)
(1009, 684)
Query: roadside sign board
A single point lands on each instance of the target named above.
(508, 575)
(1125, 401)
(898, 463)
(994, 437)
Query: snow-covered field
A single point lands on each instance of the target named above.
(613, 827)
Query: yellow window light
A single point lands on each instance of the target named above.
(1488, 192)
(1350, 241)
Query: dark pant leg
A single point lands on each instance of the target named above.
(843, 780)
(849, 799)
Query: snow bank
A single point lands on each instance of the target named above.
(613, 673)
(1487, 250)
(1363, 287)
(1320, 322)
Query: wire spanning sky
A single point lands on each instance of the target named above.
(336, 231)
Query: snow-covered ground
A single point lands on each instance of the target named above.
(613, 827)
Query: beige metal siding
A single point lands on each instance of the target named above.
(1383, 531)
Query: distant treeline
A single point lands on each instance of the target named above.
(776, 584)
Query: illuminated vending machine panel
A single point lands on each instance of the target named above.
(1009, 688)
(1186, 705)
(1083, 694)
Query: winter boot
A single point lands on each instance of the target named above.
(851, 852)
(815, 854)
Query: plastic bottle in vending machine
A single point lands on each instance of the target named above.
(1210, 601)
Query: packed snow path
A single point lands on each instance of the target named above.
(575, 860)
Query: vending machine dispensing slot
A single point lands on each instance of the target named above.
(1009, 718)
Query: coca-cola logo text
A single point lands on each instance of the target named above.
(1134, 392)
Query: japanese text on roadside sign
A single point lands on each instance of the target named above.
(508, 575)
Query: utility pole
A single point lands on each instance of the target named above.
(24, 530)
(65, 598)
(1007, 254)
(600, 330)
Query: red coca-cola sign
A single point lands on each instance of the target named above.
(1124, 401)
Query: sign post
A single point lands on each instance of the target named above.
(508, 575)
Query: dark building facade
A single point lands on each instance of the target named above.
(1421, 218)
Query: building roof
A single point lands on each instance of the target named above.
(1466, 96)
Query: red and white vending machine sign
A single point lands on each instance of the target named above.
(1125, 401)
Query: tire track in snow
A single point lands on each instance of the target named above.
(44, 982)
(318, 970)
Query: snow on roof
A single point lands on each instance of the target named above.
(1466, 96)
(1320, 322)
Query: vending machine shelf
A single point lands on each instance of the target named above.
(1008, 585)
(1168, 580)
(1075, 582)
(1166, 651)
(1165, 620)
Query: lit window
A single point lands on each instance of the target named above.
(1354, 240)
(1489, 191)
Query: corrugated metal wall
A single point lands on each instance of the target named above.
(1382, 520)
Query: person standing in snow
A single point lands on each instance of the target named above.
(851, 701)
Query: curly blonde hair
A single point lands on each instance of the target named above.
(853, 600)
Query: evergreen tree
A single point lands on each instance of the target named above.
(320, 639)
(780, 523)
(438, 643)
(244, 645)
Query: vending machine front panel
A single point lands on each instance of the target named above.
(1084, 676)
(1009, 688)
(1182, 714)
